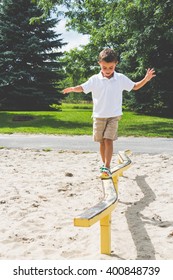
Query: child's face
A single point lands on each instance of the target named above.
(107, 68)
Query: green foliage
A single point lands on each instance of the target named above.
(29, 71)
(150, 44)
(142, 32)
(78, 66)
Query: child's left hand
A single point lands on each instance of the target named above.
(150, 74)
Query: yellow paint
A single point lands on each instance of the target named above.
(105, 235)
(81, 222)
(115, 181)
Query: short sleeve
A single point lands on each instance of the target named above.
(127, 83)
(87, 86)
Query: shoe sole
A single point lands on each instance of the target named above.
(105, 176)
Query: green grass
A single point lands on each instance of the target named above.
(148, 126)
(75, 119)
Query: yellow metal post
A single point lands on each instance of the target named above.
(105, 235)
(115, 181)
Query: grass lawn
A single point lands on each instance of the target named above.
(75, 119)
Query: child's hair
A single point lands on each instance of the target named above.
(108, 55)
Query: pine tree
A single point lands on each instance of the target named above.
(29, 67)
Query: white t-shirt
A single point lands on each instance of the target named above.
(107, 94)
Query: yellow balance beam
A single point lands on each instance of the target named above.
(100, 210)
(124, 163)
(110, 200)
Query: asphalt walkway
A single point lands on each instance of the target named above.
(85, 143)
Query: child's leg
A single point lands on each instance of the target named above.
(102, 151)
(106, 151)
(109, 135)
(105, 132)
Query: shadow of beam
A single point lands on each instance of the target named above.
(136, 225)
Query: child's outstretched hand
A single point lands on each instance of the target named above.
(67, 90)
(150, 74)
(74, 89)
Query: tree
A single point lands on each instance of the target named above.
(29, 70)
(150, 44)
(142, 32)
(78, 66)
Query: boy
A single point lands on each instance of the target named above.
(107, 88)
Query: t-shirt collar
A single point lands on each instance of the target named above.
(104, 78)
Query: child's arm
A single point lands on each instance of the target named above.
(149, 75)
(74, 89)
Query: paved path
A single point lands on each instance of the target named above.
(85, 143)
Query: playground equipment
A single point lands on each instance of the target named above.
(102, 211)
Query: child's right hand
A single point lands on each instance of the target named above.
(67, 90)
(73, 89)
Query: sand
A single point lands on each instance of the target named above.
(42, 191)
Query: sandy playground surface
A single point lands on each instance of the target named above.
(42, 191)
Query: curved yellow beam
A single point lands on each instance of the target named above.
(110, 200)
(124, 163)
(100, 210)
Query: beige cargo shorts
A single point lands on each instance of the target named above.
(105, 128)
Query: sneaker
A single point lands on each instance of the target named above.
(105, 173)
(101, 168)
